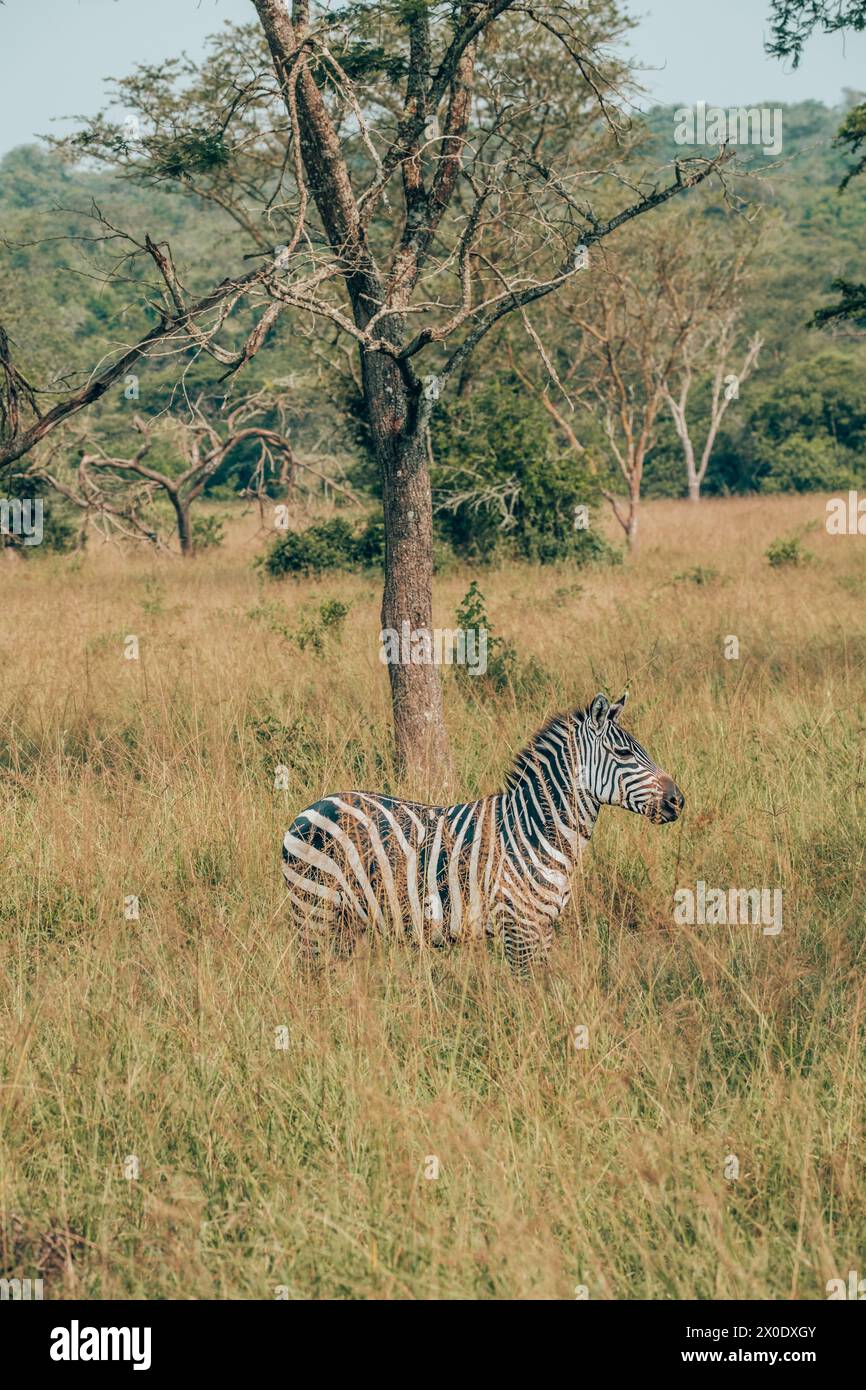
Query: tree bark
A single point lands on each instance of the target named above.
(420, 740)
(184, 525)
(632, 527)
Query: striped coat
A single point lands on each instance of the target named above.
(500, 865)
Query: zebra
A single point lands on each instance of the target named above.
(499, 866)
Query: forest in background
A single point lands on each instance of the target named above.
(515, 449)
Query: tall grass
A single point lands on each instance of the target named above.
(303, 1168)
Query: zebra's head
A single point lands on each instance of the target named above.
(617, 771)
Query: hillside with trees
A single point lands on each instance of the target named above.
(71, 294)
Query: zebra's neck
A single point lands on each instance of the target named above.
(544, 797)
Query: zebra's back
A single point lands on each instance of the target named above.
(360, 860)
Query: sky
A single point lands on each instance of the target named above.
(54, 54)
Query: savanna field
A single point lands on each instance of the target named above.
(303, 1168)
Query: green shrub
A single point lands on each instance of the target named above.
(787, 551)
(505, 668)
(700, 575)
(501, 485)
(314, 628)
(329, 545)
(335, 545)
(59, 532)
(207, 532)
(370, 543)
(317, 623)
(802, 464)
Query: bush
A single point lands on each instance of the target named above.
(335, 545)
(315, 628)
(207, 532)
(318, 623)
(800, 464)
(505, 668)
(500, 485)
(787, 551)
(329, 545)
(59, 532)
(370, 543)
(700, 575)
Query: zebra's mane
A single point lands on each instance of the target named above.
(527, 756)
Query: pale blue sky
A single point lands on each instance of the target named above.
(54, 54)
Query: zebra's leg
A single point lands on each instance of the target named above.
(527, 943)
(328, 930)
(345, 930)
(311, 930)
(318, 914)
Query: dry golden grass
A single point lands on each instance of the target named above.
(304, 1167)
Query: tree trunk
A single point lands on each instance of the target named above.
(184, 525)
(694, 487)
(421, 742)
(631, 528)
(391, 400)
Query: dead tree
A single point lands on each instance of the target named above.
(659, 311)
(715, 348)
(203, 443)
(629, 359)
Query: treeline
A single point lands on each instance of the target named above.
(532, 434)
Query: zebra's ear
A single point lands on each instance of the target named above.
(616, 710)
(598, 710)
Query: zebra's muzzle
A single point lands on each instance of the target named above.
(670, 803)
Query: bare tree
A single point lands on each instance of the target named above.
(413, 177)
(702, 292)
(102, 481)
(631, 353)
(21, 430)
(633, 337)
(716, 345)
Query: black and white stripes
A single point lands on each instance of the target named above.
(503, 864)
